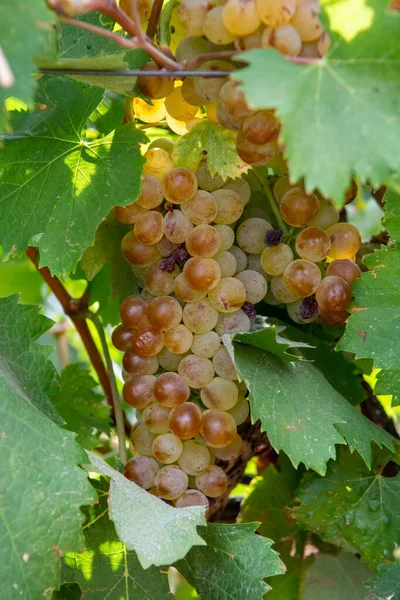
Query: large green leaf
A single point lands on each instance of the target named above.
(339, 577)
(232, 565)
(301, 412)
(159, 534)
(336, 111)
(81, 407)
(25, 33)
(57, 186)
(386, 584)
(41, 485)
(106, 569)
(353, 507)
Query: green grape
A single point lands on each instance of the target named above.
(192, 46)
(223, 364)
(179, 185)
(250, 235)
(275, 12)
(201, 209)
(203, 241)
(185, 420)
(206, 344)
(204, 178)
(226, 236)
(167, 448)
(196, 371)
(241, 187)
(240, 411)
(186, 292)
(122, 338)
(191, 16)
(228, 296)
(138, 391)
(240, 17)
(240, 257)
(158, 281)
(164, 143)
(236, 322)
(286, 40)
(200, 317)
(218, 428)
(281, 186)
(214, 28)
(164, 313)
(313, 244)
(168, 360)
(138, 254)
(203, 274)
(298, 208)
(176, 226)
(142, 470)
(333, 295)
(255, 285)
(260, 127)
(229, 206)
(147, 341)
(139, 365)
(209, 88)
(281, 292)
(219, 394)
(346, 269)
(306, 21)
(158, 163)
(227, 264)
(178, 340)
(149, 228)
(345, 241)
(192, 498)
(129, 214)
(171, 482)
(155, 418)
(171, 390)
(302, 277)
(195, 458)
(254, 264)
(142, 439)
(154, 87)
(231, 452)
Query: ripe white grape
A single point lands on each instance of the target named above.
(195, 458)
(155, 418)
(219, 394)
(286, 40)
(159, 282)
(306, 21)
(192, 498)
(226, 236)
(158, 161)
(186, 292)
(142, 439)
(227, 263)
(142, 470)
(206, 344)
(191, 15)
(250, 235)
(167, 448)
(229, 206)
(213, 482)
(240, 17)
(240, 257)
(201, 209)
(223, 365)
(168, 360)
(200, 317)
(275, 12)
(275, 259)
(204, 178)
(240, 411)
(231, 452)
(214, 28)
(281, 292)
(149, 113)
(255, 285)
(236, 322)
(196, 371)
(171, 482)
(178, 340)
(228, 296)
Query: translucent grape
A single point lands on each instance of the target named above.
(240, 411)
(333, 295)
(346, 269)
(249, 42)
(313, 244)
(203, 274)
(214, 28)
(177, 107)
(306, 21)
(226, 236)
(227, 264)
(303, 311)
(240, 257)
(192, 498)
(158, 162)
(155, 418)
(327, 215)
(142, 470)
(189, 92)
(158, 281)
(231, 96)
(167, 448)
(302, 277)
(191, 15)
(204, 178)
(255, 285)
(209, 87)
(250, 235)
(255, 154)
(298, 208)
(212, 482)
(203, 241)
(147, 341)
(232, 323)
(206, 344)
(171, 390)
(164, 143)
(195, 458)
(240, 17)
(231, 452)
(166, 247)
(229, 206)
(223, 364)
(185, 420)
(154, 87)
(196, 371)
(149, 228)
(129, 214)
(176, 226)
(218, 429)
(351, 192)
(164, 313)
(185, 292)
(345, 241)
(139, 391)
(200, 317)
(179, 185)
(228, 296)
(168, 360)
(139, 365)
(281, 186)
(122, 338)
(178, 340)
(275, 12)
(241, 187)
(171, 482)
(142, 439)
(281, 292)
(151, 195)
(286, 40)
(260, 127)
(182, 127)
(226, 119)
(219, 394)
(149, 113)
(201, 209)
(136, 253)
(335, 318)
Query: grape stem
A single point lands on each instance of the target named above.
(192, 64)
(125, 42)
(119, 415)
(154, 18)
(271, 199)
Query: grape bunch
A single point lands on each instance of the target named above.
(204, 261)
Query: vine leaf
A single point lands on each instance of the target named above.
(353, 508)
(57, 186)
(386, 584)
(335, 576)
(373, 330)
(43, 487)
(159, 534)
(334, 98)
(81, 406)
(106, 569)
(22, 43)
(233, 554)
(219, 143)
(301, 412)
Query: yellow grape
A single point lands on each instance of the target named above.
(178, 108)
(302, 278)
(345, 240)
(275, 12)
(214, 28)
(240, 17)
(149, 113)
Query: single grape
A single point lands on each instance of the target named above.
(219, 394)
(275, 12)
(303, 311)
(122, 338)
(149, 228)
(224, 118)
(139, 391)
(275, 259)
(302, 277)
(231, 96)
(139, 365)
(249, 42)
(254, 264)
(196, 371)
(346, 269)
(164, 313)
(167, 448)
(241, 187)
(281, 292)
(166, 247)
(177, 107)
(229, 206)
(202, 274)
(191, 16)
(142, 439)
(298, 208)
(240, 17)
(129, 214)
(241, 258)
(160, 282)
(260, 127)
(182, 127)
(218, 429)
(228, 296)
(213, 482)
(206, 344)
(179, 185)
(142, 470)
(223, 364)
(255, 154)
(240, 411)
(203, 241)
(201, 209)
(176, 226)
(231, 452)
(214, 28)
(195, 458)
(250, 235)
(226, 236)
(286, 40)
(185, 420)
(168, 360)
(327, 215)
(306, 21)
(192, 498)
(313, 244)
(171, 482)
(154, 87)
(333, 295)
(185, 292)
(200, 317)
(171, 390)
(255, 285)
(189, 92)
(147, 341)
(155, 418)
(236, 322)
(151, 195)
(345, 241)
(335, 318)
(203, 175)
(178, 340)
(281, 186)
(158, 162)
(149, 113)
(164, 143)
(227, 264)
(209, 88)
(138, 254)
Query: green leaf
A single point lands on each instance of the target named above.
(336, 111)
(301, 412)
(219, 143)
(42, 486)
(57, 186)
(353, 508)
(338, 577)
(232, 565)
(81, 406)
(386, 584)
(25, 33)
(20, 276)
(366, 216)
(159, 534)
(106, 569)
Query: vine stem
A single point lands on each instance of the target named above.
(154, 18)
(271, 200)
(126, 43)
(119, 415)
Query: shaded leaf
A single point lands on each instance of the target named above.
(339, 577)
(386, 584)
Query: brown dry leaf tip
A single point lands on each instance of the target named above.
(362, 334)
